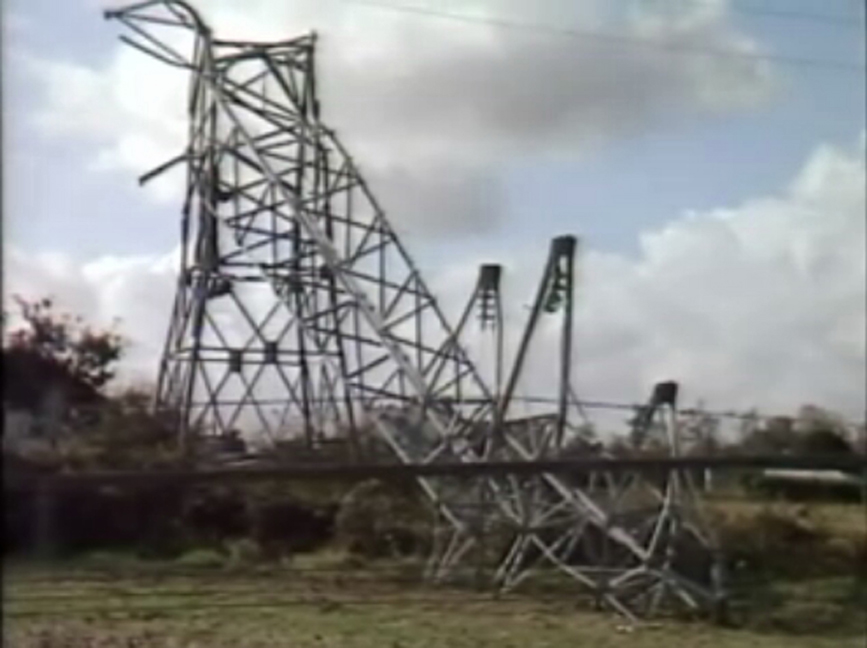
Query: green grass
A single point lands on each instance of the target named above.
(291, 607)
(330, 599)
(840, 520)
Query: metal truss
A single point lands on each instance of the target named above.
(555, 295)
(637, 543)
(299, 311)
(274, 201)
(487, 303)
(350, 331)
(672, 556)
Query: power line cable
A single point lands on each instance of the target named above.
(824, 19)
(614, 38)
(687, 411)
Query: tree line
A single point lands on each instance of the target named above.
(118, 429)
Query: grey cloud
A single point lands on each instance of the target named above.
(438, 199)
(433, 107)
(521, 89)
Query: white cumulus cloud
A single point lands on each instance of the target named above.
(759, 304)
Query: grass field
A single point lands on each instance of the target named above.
(322, 600)
(284, 607)
(839, 520)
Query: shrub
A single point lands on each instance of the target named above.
(243, 551)
(787, 543)
(201, 559)
(376, 521)
(215, 514)
(284, 526)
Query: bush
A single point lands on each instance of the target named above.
(376, 521)
(283, 526)
(214, 514)
(202, 559)
(110, 559)
(243, 552)
(788, 543)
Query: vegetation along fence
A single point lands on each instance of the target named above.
(793, 533)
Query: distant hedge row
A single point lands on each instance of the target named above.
(160, 522)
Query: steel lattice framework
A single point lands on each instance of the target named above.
(298, 307)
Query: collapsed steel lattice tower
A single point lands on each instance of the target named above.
(274, 201)
(297, 307)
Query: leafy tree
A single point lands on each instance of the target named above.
(56, 350)
(860, 445)
(619, 446)
(88, 355)
(52, 349)
(776, 435)
(126, 435)
(699, 432)
(812, 431)
(583, 443)
(822, 432)
(825, 441)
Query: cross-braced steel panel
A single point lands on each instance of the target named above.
(345, 323)
(349, 327)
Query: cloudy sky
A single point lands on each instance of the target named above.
(710, 154)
